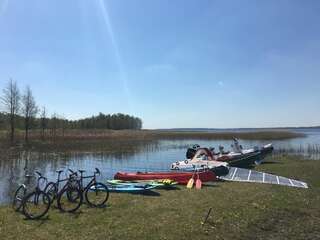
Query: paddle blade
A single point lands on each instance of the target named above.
(190, 183)
(198, 184)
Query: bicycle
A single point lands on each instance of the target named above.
(69, 198)
(34, 204)
(96, 193)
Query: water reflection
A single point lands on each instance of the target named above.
(125, 156)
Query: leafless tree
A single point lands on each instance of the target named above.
(63, 124)
(54, 125)
(11, 101)
(43, 122)
(29, 110)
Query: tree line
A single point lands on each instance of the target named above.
(21, 112)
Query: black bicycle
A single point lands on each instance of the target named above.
(69, 198)
(96, 193)
(35, 204)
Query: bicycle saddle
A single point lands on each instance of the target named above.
(81, 171)
(59, 171)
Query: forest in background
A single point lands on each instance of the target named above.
(21, 112)
(117, 121)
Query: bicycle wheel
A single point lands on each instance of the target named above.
(72, 195)
(18, 197)
(42, 183)
(51, 189)
(64, 204)
(97, 194)
(36, 204)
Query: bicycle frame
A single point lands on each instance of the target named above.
(93, 179)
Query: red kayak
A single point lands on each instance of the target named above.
(180, 177)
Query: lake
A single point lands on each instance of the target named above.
(143, 156)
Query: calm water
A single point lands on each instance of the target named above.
(156, 155)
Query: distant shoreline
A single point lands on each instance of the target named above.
(75, 134)
(233, 129)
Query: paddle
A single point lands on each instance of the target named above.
(198, 182)
(191, 181)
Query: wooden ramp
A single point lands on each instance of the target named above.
(247, 175)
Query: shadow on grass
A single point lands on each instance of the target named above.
(210, 184)
(40, 221)
(270, 162)
(170, 189)
(148, 193)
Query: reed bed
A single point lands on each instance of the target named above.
(74, 134)
(309, 150)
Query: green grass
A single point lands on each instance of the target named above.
(240, 211)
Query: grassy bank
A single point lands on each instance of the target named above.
(86, 139)
(240, 211)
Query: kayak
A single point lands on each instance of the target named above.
(166, 183)
(130, 188)
(179, 177)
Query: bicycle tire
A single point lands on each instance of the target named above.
(51, 190)
(18, 197)
(64, 196)
(42, 183)
(93, 190)
(36, 198)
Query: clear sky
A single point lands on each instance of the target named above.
(173, 63)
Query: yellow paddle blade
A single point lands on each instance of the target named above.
(198, 184)
(190, 183)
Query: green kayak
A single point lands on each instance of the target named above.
(165, 183)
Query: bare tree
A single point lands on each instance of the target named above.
(11, 100)
(54, 125)
(29, 110)
(63, 124)
(43, 122)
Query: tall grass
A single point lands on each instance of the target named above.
(309, 150)
(150, 134)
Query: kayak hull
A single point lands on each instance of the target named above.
(129, 189)
(157, 184)
(179, 177)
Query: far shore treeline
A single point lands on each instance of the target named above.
(118, 121)
(19, 111)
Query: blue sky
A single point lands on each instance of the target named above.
(217, 64)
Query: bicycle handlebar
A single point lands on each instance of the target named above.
(98, 171)
(73, 173)
(39, 173)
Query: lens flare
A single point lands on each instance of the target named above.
(123, 76)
